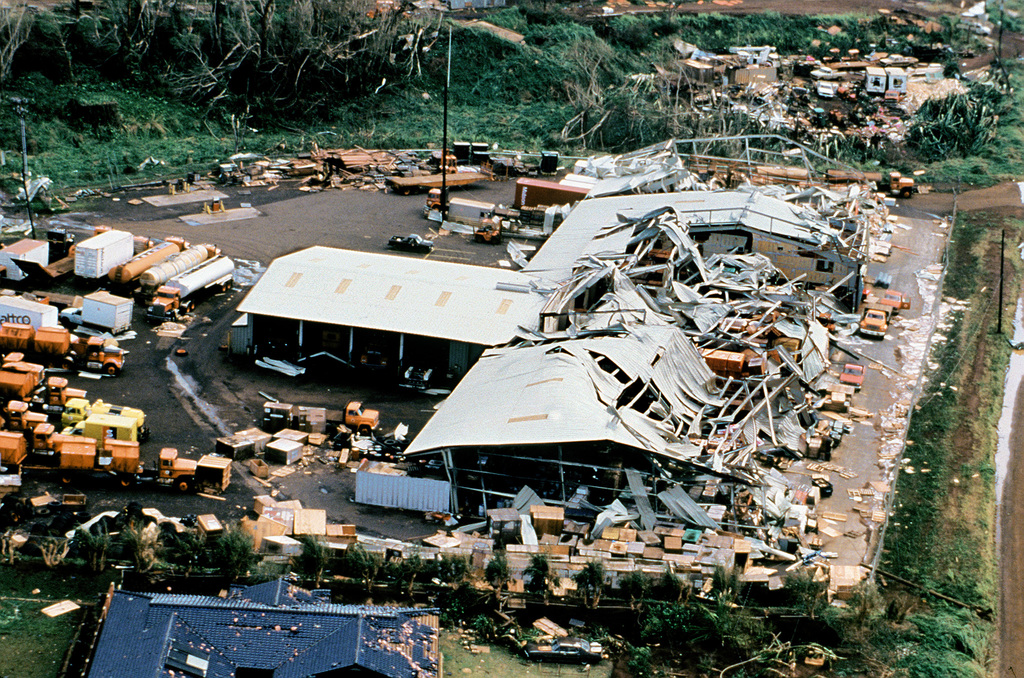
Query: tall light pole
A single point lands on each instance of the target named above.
(19, 108)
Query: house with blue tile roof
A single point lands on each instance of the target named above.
(270, 630)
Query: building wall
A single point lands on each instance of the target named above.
(288, 339)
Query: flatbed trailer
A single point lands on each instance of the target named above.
(407, 185)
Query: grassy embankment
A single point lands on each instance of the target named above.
(942, 533)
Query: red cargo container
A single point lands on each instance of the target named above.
(536, 192)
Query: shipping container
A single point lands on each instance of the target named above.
(536, 192)
(36, 251)
(107, 311)
(97, 256)
(400, 490)
(25, 312)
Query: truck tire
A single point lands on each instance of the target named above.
(906, 193)
(68, 363)
(125, 481)
(183, 485)
(113, 369)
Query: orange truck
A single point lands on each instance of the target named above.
(57, 347)
(875, 320)
(210, 474)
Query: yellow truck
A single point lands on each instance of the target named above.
(101, 427)
(79, 409)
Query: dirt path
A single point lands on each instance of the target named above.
(1011, 553)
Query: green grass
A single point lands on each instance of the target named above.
(33, 644)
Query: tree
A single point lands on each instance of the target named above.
(94, 547)
(636, 586)
(671, 587)
(363, 564)
(187, 550)
(53, 550)
(452, 569)
(15, 28)
(313, 560)
(497, 573)
(537, 574)
(407, 571)
(233, 553)
(142, 542)
(806, 593)
(590, 582)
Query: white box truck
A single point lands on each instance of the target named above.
(20, 310)
(95, 257)
(101, 310)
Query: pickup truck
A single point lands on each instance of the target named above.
(896, 301)
(875, 320)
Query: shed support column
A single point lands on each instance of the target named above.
(302, 332)
(401, 348)
(351, 338)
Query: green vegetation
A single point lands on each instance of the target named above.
(189, 88)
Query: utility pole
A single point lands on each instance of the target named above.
(1002, 249)
(444, 135)
(20, 110)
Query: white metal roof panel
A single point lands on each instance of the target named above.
(396, 294)
(590, 227)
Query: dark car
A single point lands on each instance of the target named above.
(566, 651)
(410, 243)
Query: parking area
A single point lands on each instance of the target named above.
(192, 392)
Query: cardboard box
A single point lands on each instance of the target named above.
(210, 525)
(284, 451)
(547, 519)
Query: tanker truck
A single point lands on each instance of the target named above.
(179, 295)
(127, 273)
(174, 265)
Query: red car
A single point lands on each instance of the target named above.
(852, 374)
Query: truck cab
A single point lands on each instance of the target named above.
(95, 355)
(875, 321)
(167, 304)
(211, 473)
(359, 419)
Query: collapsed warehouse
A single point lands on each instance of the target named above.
(670, 383)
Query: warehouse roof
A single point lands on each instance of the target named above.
(573, 391)
(473, 304)
(593, 226)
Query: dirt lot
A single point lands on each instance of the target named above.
(190, 400)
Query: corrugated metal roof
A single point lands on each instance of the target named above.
(591, 229)
(569, 392)
(396, 294)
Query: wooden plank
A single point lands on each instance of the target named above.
(57, 609)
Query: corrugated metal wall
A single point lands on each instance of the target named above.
(417, 494)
